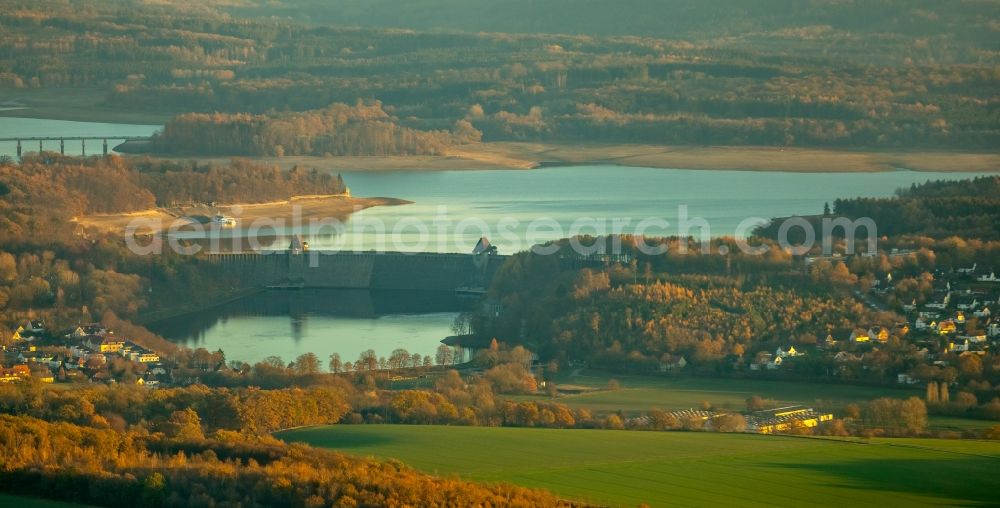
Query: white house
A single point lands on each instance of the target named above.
(943, 304)
(969, 306)
(977, 338)
(958, 346)
(968, 271)
(992, 277)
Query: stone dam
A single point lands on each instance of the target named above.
(361, 270)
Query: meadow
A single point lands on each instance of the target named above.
(642, 393)
(626, 468)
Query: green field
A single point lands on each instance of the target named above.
(642, 393)
(678, 468)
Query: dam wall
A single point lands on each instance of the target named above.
(360, 270)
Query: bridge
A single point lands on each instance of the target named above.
(63, 139)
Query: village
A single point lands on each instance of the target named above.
(88, 353)
(959, 319)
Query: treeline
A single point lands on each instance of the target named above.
(116, 184)
(334, 131)
(107, 467)
(822, 83)
(179, 412)
(969, 209)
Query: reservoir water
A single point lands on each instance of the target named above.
(552, 203)
(515, 209)
(11, 127)
(289, 323)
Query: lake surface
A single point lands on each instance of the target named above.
(517, 209)
(320, 321)
(11, 127)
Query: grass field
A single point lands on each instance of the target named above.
(693, 469)
(642, 393)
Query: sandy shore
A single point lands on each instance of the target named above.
(74, 104)
(304, 207)
(513, 155)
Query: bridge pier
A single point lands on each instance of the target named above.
(105, 148)
(62, 147)
(83, 147)
(19, 149)
(39, 147)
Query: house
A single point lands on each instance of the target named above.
(83, 331)
(959, 317)
(992, 277)
(15, 373)
(993, 330)
(945, 327)
(976, 337)
(966, 304)
(29, 330)
(982, 313)
(879, 333)
(774, 364)
(144, 356)
(906, 379)
(968, 271)
(901, 329)
(958, 346)
(106, 344)
(671, 363)
(845, 357)
(943, 304)
(790, 352)
(910, 307)
(859, 336)
(762, 360)
(784, 419)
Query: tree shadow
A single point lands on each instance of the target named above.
(340, 440)
(962, 480)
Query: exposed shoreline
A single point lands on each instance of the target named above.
(88, 104)
(305, 208)
(525, 156)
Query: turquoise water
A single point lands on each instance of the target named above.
(554, 199)
(451, 210)
(33, 127)
(320, 321)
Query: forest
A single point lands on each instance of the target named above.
(112, 468)
(969, 209)
(904, 75)
(334, 131)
